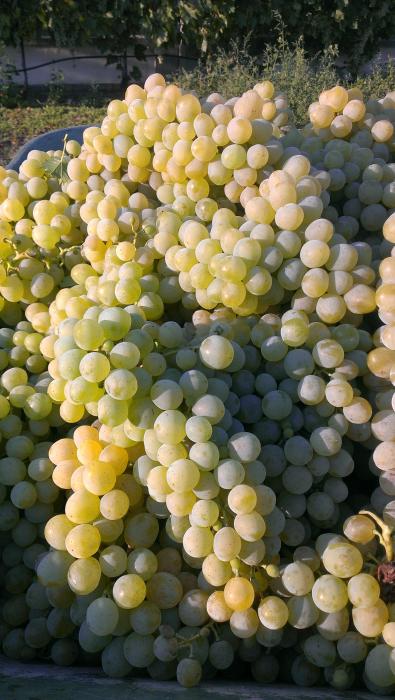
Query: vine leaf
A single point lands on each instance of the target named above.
(52, 166)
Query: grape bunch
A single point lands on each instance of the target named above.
(197, 354)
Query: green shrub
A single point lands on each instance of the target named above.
(379, 81)
(288, 66)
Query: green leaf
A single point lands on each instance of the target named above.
(52, 166)
(56, 167)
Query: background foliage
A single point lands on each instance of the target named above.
(202, 26)
(356, 27)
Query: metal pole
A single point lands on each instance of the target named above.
(125, 68)
(24, 67)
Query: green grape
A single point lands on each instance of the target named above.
(319, 651)
(142, 562)
(370, 620)
(379, 666)
(113, 561)
(303, 613)
(189, 672)
(216, 352)
(192, 608)
(91, 642)
(333, 626)
(329, 593)
(352, 647)
(342, 559)
(221, 654)
(298, 579)
(102, 616)
(84, 575)
(124, 355)
(146, 618)
(166, 394)
(165, 590)
(64, 652)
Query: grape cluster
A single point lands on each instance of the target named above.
(197, 471)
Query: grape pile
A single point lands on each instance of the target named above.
(197, 413)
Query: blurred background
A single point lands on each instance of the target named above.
(62, 60)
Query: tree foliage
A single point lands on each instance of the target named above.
(202, 26)
(118, 27)
(20, 20)
(114, 25)
(356, 28)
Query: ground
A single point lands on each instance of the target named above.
(41, 682)
(20, 124)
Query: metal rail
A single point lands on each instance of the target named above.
(98, 56)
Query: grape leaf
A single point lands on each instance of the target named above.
(52, 166)
(55, 167)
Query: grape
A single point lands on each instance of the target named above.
(165, 648)
(298, 578)
(198, 541)
(113, 661)
(113, 561)
(182, 475)
(352, 648)
(82, 507)
(142, 562)
(192, 608)
(64, 652)
(244, 623)
(370, 620)
(378, 666)
(170, 427)
(273, 612)
(244, 446)
(342, 559)
(165, 590)
(56, 531)
(229, 473)
(238, 594)
(82, 541)
(303, 672)
(216, 571)
(216, 352)
(363, 590)
(319, 651)
(91, 642)
(166, 394)
(226, 544)
(221, 655)
(146, 618)
(329, 593)
(129, 591)
(250, 526)
(138, 650)
(265, 669)
(189, 672)
(302, 611)
(102, 616)
(242, 499)
(276, 368)
(141, 530)
(84, 575)
(333, 626)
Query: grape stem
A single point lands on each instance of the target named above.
(62, 156)
(385, 536)
(214, 631)
(182, 642)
